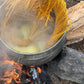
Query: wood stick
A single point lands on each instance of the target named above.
(76, 13)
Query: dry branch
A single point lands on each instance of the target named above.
(76, 13)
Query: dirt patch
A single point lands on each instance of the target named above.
(78, 46)
(71, 3)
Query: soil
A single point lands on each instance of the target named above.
(78, 46)
(71, 3)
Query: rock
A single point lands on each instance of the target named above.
(69, 65)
